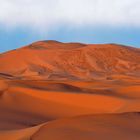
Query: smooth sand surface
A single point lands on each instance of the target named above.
(98, 127)
(70, 91)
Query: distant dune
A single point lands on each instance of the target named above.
(70, 91)
(72, 61)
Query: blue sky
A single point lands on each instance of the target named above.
(87, 21)
(14, 39)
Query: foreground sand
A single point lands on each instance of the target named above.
(41, 110)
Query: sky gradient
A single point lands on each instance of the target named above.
(86, 21)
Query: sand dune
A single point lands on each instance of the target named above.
(99, 127)
(63, 91)
(72, 61)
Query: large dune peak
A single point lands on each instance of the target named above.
(55, 60)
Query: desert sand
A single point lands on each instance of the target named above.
(62, 91)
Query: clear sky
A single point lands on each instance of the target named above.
(88, 21)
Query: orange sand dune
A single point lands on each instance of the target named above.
(63, 91)
(99, 127)
(73, 61)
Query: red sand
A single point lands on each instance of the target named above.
(63, 91)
